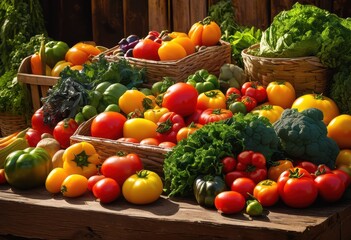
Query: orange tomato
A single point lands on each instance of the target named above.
(277, 89)
(339, 129)
(186, 131)
(279, 166)
(150, 141)
(326, 105)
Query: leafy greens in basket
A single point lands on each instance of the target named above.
(307, 30)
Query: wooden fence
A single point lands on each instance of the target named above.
(107, 21)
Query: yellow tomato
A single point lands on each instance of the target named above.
(74, 185)
(139, 128)
(326, 105)
(131, 101)
(275, 91)
(187, 44)
(343, 158)
(57, 69)
(143, 187)
(272, 112)
(339, 129)
(155, 113)
(55, 179)
(171, 51)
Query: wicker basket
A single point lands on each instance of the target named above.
(151, 156)
(306, 74)
(10, 123)
(36, 85)
(209, 58)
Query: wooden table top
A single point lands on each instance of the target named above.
(38, 214)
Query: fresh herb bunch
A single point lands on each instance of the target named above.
(223, 14)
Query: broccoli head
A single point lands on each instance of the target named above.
(303, 135)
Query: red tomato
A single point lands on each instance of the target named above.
(128, 139)
(121, 167)
(330, 187)
(64, 130)
(107, 190)
(193, 118)
(150, 141)
(2, 176)
(232, 90)
(250, 102)
(168, 127)
(255, 90)
(229, 202)
(38, 122)
(180, 98)
(231, 176)
(214, 115)
(309, 166)
(229, 164)
(94, 179)
(147, 49)
(297, 188)
(253, 164)
(244, 186)
(346, 178)
(108, 125)
(266, 192)
(33, 137)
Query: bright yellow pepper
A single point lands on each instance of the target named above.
(81, 158)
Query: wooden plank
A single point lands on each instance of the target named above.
(181, 15)
(107, 22)
(252, 13)
(135, 14)
(198, 11)
(35, 213)
(159, 15)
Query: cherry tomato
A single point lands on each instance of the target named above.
(180, 98)
(229, 202)
(74, 185)
(64, 130)
(266, 192)
(229, 164)
(55, 179)
(33, 137)
(297, 188)
(330, 187)
(106, 190)
(121, 167)
(93, 180)
(244, 186)
(108, 125)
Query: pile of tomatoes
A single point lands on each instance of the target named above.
(297, 185)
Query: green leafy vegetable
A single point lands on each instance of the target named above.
(341, 89)
(307, 30)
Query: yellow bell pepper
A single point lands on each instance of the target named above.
(81, 158)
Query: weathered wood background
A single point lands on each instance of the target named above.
(107, 21)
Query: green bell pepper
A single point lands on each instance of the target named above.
(203, 81)
(28, 168)
(112, 94)
(55, 51)
(206, 188)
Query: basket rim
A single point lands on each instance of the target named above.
(245, 54)
(184, 59)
